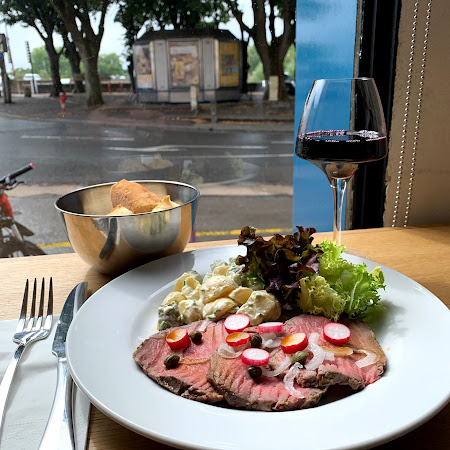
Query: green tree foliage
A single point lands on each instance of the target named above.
(256, 73)
(41, 62)
(109, 65)
(40, 15)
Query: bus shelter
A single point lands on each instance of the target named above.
(168, 63)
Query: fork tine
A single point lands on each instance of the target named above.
(49, 317)
(23, 311)
(38, 321)
(32, 318)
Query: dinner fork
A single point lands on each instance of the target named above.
(27, 331)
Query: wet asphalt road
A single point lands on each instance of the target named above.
(245, 177)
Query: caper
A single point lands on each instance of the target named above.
(299, 357)
(196, 336)
(171, 361)
(164, 325)
(254, 371)
(256, 340)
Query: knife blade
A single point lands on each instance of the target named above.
(59, 433)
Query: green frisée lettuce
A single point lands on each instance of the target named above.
(310, 279)
(352, 282)
(316, 296)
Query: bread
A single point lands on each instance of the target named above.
(164, 204)
(133, 196)
(120, 211)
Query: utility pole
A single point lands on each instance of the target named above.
(5, 78)
(33, 85)
(9, 52)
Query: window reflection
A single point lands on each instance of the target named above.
(235, 145)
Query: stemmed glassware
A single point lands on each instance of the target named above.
(342, 126)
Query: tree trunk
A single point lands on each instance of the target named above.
(86, 41)
(93, 84)
(131, 75)
(53, 56)
(71, 53)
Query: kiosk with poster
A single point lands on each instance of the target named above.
(169, 63)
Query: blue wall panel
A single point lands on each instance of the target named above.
(325, 46)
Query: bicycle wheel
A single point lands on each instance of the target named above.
(13, 248)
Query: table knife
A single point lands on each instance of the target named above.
(59, 432)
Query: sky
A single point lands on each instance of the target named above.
(112, 42)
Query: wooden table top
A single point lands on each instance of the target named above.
(413, 251)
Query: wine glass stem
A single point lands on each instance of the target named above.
(339, 186)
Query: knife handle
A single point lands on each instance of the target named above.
(58, 433)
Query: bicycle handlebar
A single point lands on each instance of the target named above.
(10, 178)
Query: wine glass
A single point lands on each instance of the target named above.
(342, 126)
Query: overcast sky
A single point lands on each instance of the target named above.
(112, 41)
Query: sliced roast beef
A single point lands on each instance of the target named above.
(343, 369)
(188, 378)
(230, 376)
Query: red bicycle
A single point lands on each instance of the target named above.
(13, 242)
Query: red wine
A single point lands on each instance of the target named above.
(341, 146)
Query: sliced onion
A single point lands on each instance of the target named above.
(267, 336)
(289, 381)
(272, 343)
(191, 361)
(338, 351)
(225, 351)
(203, 325)
(317, 351)
(368, 360)
(280, 369)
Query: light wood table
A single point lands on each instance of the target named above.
(421, 253)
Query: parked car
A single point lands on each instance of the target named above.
(289, 83)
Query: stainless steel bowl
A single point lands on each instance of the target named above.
(115, 244)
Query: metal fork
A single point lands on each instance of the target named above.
(28, 330)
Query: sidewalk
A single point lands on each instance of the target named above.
(122, 109)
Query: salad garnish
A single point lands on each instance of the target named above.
(309, 278)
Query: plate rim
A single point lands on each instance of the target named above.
(397, 432)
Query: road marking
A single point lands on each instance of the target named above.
(238, 232)
(55, 245)
(251, 155)
(79, 138)
(177, 148)
(197, 234)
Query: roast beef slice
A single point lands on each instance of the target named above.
(188, 379)
(240, 390)
(342, 370)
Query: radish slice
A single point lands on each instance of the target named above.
(178, 339)
(336, 333)
(270, 327)
(294, 343)
(255, 357)
(236, 322)
(289, 381)
(225, 351)
(280, 369)
(238, 338)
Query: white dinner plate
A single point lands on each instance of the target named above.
(415, 334)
